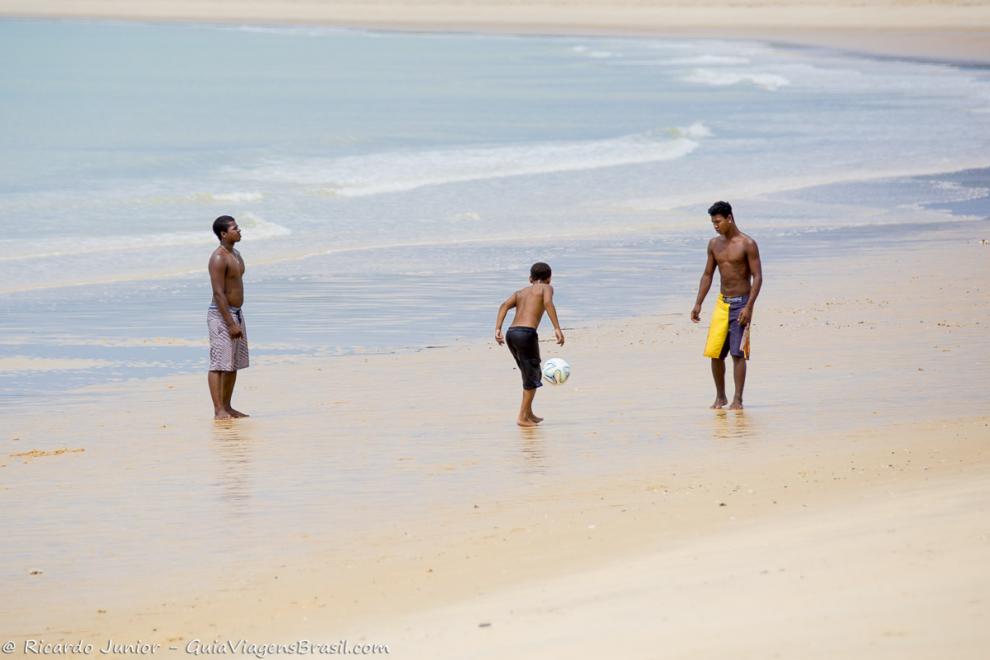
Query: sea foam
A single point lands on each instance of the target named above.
(252, 227)
(237, 197)
(398, 171)
(768, 81)
(707, 60)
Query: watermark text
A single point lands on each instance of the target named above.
(195, 647)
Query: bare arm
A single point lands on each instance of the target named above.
(503, 309)
(756, 269)
(552, 313)
(704, 285)
(218, 273)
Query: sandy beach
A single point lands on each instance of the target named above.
(842, 514)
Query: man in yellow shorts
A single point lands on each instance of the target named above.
(741, 275)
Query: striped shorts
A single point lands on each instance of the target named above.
(226, 354)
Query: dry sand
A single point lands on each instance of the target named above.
(945, 29)
(843, 514)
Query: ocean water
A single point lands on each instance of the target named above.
(394, 188)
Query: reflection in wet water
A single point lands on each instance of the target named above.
(533, 448)
(232, 442)
(732, 425)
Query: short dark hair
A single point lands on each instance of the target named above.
(723, 209)
(222, 224)
(540, 271)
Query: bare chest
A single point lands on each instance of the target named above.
(729, 254)
(235, 265)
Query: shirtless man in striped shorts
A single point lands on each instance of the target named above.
(228, 334)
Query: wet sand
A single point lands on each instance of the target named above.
(391, 498)
(786, 562)
(11, 364)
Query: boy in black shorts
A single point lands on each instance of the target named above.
(530, 303)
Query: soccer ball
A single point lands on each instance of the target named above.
(556, 371)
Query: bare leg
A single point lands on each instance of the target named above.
(718, 373)
(228, 380)
(526, 409)
(739, 377)
(214, 378)
(532, 415)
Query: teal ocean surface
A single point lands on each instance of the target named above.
(393, 188)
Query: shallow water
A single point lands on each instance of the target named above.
(393, 188)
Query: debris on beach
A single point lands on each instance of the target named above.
(38, 453)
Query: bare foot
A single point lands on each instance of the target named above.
(236, 413)
(719, 402)
(535, 419)
(221, 414)
(736, 405)
(525, 422)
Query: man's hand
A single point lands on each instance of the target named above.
(696, 314)
(745, 316)
(559, 335)
(498, 337)
(235, 331)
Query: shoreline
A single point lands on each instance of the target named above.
(664, 307)
(946, 32)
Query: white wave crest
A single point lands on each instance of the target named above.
(707, 60)
(594, 53)
(237, 197)
(390, 172)
(252, 228)
(768, 81)
(957, 192)
(697, 131)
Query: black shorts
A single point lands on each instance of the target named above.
(524, 344)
